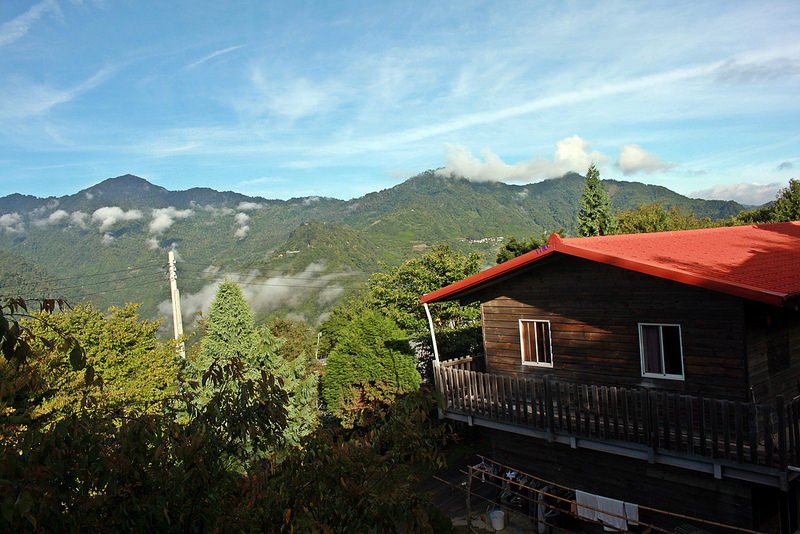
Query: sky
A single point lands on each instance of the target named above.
(289, 99)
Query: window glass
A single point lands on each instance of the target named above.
(535, 342)
(651, 347)
(671, 341)
(662, 354)
(543, 342)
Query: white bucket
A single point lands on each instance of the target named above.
(497, 519)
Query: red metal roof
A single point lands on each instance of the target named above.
(756, 262)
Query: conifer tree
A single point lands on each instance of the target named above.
(231, 332)
(595, 216)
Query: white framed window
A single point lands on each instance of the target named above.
(661, 350)
(535, 342)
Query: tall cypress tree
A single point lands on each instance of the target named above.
(231, 332)
(595, 216)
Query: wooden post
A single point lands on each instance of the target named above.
(780, 407)
(548, 402)
(469, 501)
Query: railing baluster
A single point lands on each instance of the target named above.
(739, 432)
(769, 448)
(726, 428)
(689, 401)
(678, 423)
(752, 430)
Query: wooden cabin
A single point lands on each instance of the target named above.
(659, 368)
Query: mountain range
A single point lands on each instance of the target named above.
(108, 244)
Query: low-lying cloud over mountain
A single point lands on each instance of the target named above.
(571, 154)
(263, 294)
(752, 194)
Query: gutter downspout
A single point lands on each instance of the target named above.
(433, 334)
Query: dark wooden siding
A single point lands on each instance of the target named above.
(594, 310)
(773, 351)
(662, 487)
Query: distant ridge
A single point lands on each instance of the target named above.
(315, 248)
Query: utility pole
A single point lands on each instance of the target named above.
(177, 320)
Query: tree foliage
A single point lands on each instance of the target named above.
(371, 363)
(595, 216)
(785, 208)
(133, 367)
(230, 332)
(396, 293)
(513, 248)
(655, 218)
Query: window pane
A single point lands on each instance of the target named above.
(651, 347)
(543, 342)
(528, 342)
(671, 339)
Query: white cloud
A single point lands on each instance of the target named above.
(241, 232)
(249, 206)
(54, 218)
(152, 243)
(241, 219)
(11, 223)
(110, 215)
(18, 27)
(216, 212)
(744, 193)
(633, 159)
(571, 154)
(78, 218)
(264, 294)
(107, 239)
(164, 218)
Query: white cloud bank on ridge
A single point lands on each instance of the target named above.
(752, 194)
(571, 154)
(108, 216)
(263, 294)
(164, 218)
(11, 223)
(634, 159)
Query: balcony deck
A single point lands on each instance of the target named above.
(755, 442)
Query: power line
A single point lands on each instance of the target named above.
(133, 277)
(92, 275)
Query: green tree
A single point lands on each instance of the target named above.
(230, 332)
(513, 248)
(785, 208)
(595, 216)
(654, 218)
(396, 293)
(371, 364)
(787, 205)
(137, 370)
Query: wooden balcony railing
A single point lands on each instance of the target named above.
(740, 432)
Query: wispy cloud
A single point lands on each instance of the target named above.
(21, 99)
(212, 55)
(19, 26)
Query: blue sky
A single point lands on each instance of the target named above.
(284, 99)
